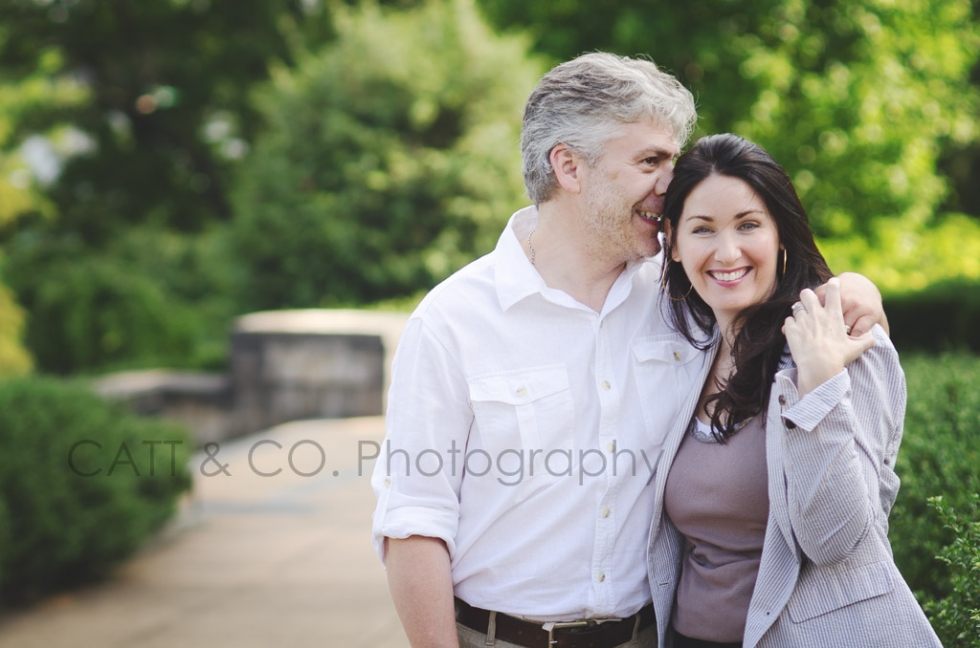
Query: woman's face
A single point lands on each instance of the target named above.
(728, 244)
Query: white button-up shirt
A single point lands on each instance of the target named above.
(523, 429)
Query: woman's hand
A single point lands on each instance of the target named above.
(817, 339)
(860, 303)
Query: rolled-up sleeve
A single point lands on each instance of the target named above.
(419, 467)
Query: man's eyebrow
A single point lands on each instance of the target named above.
(657, 152)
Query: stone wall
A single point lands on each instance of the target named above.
(283, 366)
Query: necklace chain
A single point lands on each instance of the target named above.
(529, 246)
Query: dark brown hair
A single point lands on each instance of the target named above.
(760, 344)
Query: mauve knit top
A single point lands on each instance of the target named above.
(716, 495)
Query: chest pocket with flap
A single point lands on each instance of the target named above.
(522, 410)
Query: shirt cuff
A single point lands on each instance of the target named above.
(415, 521)
(809, 411)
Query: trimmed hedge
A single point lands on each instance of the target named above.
(937, 513)
(944, 317)
(78, 490)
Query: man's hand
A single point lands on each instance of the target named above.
(860, 302)
(421, 584)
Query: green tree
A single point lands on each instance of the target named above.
(21, 99)
(857, 98)
(390, 159)
(168, 111)
(860, 118)
(130, 118)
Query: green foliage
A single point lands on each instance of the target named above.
(14, 360)
(939, 458)
(943, 317)
(167, 110)
(390, 158)
(22, 99)
(154, 297)
(703, 43)
(957, 617)
(908, 260)
(62, 528)
(120, 119)
(856, 98)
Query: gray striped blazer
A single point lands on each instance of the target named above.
(826, 577)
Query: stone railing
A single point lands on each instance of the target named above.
(283, 366)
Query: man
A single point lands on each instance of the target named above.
(532, 389)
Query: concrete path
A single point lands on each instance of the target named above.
(284, 560)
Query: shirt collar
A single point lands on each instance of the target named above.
(514, 276)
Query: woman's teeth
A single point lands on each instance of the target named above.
(729, 276)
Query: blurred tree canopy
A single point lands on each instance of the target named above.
(22, 98)
(858, 99)
(167, 110)
(167, 164)
(128, 120)
(390, 159)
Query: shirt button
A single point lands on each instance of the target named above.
(790, 425)
(611, 446)
(600, 577)
(522, 391)
(601, 323)
(604, 512)
(606, 385)
(387, 482)
(781, 399)
(677, 356)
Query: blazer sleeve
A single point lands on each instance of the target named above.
(839, 449)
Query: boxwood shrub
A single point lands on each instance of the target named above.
(78, 490)
(936, 516)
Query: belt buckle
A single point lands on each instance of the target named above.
(560, 625)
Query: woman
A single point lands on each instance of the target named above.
(773, 529)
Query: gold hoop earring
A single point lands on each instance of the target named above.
(785, 255)
(680, 299)
(663, 283)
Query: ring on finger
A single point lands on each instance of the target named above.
(797, 307)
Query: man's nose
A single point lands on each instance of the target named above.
(663, 182)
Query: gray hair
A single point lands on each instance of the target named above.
(582, 103)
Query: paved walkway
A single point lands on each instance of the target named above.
(250, 561)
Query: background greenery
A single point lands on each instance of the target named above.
(166, 165)
(61, 527)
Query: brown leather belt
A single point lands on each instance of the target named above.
(532, 635)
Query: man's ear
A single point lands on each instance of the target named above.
(568, 166)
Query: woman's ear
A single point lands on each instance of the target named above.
(567, 165)
(669, 238)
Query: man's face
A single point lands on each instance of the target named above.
(623, 193)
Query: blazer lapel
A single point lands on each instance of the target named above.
(676, 434)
